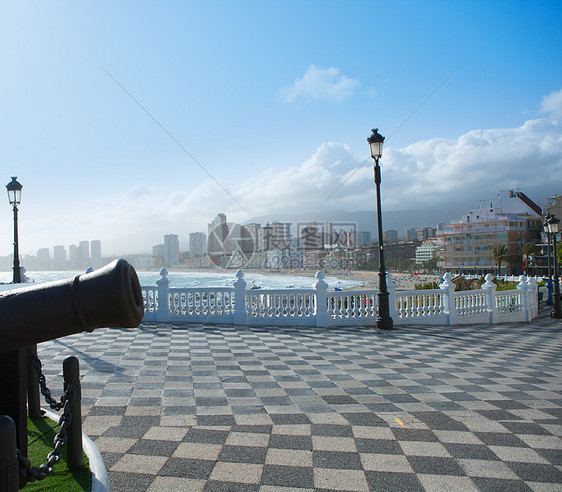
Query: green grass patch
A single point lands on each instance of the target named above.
(41, 433)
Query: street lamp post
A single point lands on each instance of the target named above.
(383, 321)
(553, 225)
(14, 197)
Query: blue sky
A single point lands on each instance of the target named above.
(274, 100)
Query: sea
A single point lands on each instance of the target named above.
(206, 279)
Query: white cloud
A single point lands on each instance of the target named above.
(425, 174)
(320, 84)
(552, 104)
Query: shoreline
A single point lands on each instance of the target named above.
(367, 279)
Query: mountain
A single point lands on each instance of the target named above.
(366, 220)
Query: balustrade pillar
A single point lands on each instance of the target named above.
(490, 288)
(163, 311)
(448, 290)
(391, 287)
(240, 314)
(322, 318)
(522, 288)
(533, 296)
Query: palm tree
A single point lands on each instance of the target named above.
(529, 249)
(501, 254)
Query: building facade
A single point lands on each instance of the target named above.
(469, 242)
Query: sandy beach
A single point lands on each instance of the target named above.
(367, 279)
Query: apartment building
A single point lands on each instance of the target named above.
(468, 243)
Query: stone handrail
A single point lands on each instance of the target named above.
(317, 306)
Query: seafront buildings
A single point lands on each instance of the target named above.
(463, 245)
(469, 242)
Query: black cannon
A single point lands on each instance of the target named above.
(110, 296)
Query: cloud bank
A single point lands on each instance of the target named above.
(319, 84)
(423, 175)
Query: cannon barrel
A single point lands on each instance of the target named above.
(110, 296)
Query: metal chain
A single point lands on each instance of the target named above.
(45, 391)
(33, 473)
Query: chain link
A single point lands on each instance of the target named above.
(33, 473)
(45, 391)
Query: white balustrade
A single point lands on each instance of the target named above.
(281, 306)
(420, 306)
(351, 306)
(508, 302)
(318, 307)
(471, 306)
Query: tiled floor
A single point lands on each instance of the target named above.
(235, 408)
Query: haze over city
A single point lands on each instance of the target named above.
(126, 121)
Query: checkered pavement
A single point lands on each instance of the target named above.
(194, 407)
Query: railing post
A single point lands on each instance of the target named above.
(533, 296)
(490, 288)
(33, 398)
(448, 289)
(9, 470)
(391, 287)
(522, 287)
(163, 311)
(71, 373)
(322, 318)
(240, 314)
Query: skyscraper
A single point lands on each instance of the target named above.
(171, 250)
(197, 246)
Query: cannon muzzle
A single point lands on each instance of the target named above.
(110, 296)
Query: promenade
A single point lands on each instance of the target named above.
(195, 407)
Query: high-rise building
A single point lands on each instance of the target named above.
(390, 236)
(74, 256)
(95, 249)
(254, 229)
(411, 234)
(59, 257)
(197, 244)
(43, 259)
(171, 250)
(83, 254)
(217, 237)
(364, 238)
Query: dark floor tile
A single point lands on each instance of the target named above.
(537, 472)
(439, 421)
(207, 436)
(288, 476)
(337, 459)
(243, 454)
(210, 420)
(187, 468)
(474, 451)
(404, 434)
(120, 481)
(339, 400)
(378, 446)
(216, 486)
(526, 428)
(364, 418)
(435, 466)
(290, 442)
(152, 447)
(500, 439)
(331, 430)
(500, 485)
(289, 418)
(393, 481)
(552, 455)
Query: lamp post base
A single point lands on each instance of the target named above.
(384, 323)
